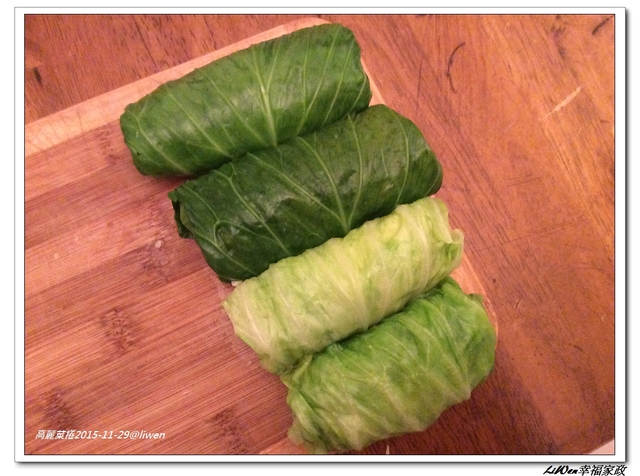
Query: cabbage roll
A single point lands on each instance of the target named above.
(395, 378)
(303, 303)
(278, 202)
(253, 99)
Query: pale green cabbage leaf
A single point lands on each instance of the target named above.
(395, 378)
(303, 303)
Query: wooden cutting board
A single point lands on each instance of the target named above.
(124, 330)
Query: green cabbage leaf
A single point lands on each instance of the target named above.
(303, 303)
(278, 202)
(252, 99)
(397, 377)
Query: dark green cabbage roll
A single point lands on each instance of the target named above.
(395, 378)
(278, 202)
(344, 286)
(250, 100)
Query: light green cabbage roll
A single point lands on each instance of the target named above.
(397, 377)
(303, 303)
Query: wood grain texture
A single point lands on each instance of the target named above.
(123, 325)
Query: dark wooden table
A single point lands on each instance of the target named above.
(122, 329)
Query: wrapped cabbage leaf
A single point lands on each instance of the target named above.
(395, 378)
(252, 99)
(303, 303)
(278, 202)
